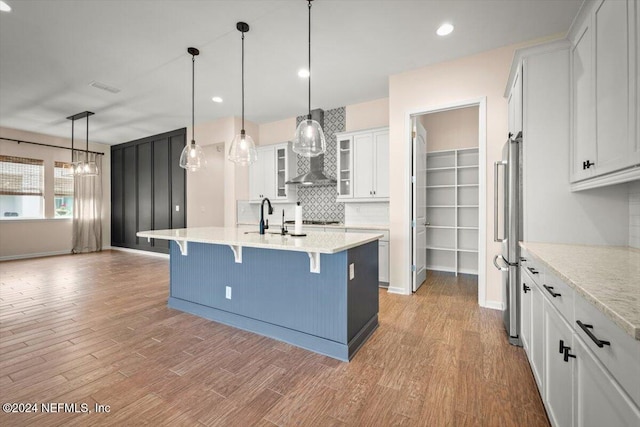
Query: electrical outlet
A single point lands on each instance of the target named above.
(177, 208)
(352, 271)
(228, 292)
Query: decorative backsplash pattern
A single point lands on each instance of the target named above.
(320, 202)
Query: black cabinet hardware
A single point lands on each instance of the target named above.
(587, 164)
(523, 259)
(525, 288)
(550, 290)
(532, 270)
(567, 355)
(563, 347)
(587, 330)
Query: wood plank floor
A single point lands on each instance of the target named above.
(95, 329)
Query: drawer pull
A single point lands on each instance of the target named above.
(550, 290)
(567, 355)
(525, 288)
(587, 330)
(533, 270)
(523, 259)
(562, 347)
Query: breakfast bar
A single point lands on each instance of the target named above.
(318, 292)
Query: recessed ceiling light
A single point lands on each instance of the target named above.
(444, 29)
(216, 99)
(4, 7)
(303, 73)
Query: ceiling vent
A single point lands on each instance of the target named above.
(103, 86)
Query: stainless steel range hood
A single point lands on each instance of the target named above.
(316, 175)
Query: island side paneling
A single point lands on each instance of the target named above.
(273, 293)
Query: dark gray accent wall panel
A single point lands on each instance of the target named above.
(178, 185)
(145, 190)
(130, 197)
(147, 183)
(362, 304)
(117, 197)
(161, 190)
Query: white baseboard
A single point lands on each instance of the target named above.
(34, 255)
(494, 305)
(396, 290)
(139, 252)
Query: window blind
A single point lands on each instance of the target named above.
(21, 176)
(62, 185)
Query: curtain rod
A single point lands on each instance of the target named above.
(49, 145)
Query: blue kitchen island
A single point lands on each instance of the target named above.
(318, 292)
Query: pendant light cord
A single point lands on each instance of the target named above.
(242, 82)
(72, 150)
(87, 147)
(193, 96)
(309, 115)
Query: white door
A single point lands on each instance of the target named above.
(419, 215)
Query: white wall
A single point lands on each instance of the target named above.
(451, 129)
(472, 77)
(48, 236)
(634, 214)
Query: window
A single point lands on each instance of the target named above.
(21, 187)
(62, 191)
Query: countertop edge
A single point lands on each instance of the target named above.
(624, 324)
(362, 241)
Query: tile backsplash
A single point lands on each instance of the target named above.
(320, 202)
(634, 214)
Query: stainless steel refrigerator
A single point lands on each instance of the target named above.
(508, 230)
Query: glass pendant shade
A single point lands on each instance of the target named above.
(309, 140)
(243, 149)
(191, 157)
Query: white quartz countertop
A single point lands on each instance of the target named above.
(320, 242)
(338, 227)
(606, 276)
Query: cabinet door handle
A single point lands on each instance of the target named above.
(374, 192)
(587, 164)
(567, 355)
(587, 330)
(562, 347)
(525, 288)
(550, 290)
(533, 270)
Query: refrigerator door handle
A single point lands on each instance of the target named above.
(495, 262)
(496, 165)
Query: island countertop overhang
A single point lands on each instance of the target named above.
(317, 242)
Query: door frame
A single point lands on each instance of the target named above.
(481, 103)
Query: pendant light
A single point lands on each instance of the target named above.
(70, 169)
(309, 140)
(192, 155)
(89, 167)
(86, 167)
(242, 150)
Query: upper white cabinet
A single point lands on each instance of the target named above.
(604, 94)
(363, 165)
(268, 175)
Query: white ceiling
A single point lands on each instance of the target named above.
(50, 50)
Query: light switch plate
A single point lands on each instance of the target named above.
(352, 271)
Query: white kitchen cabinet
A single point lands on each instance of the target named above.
(526, 286)
(604, 102)
(514, 101)
(598, 399)
(363, 165)
(267, 176)
(557, 381)
(537, 342)
(597, 381)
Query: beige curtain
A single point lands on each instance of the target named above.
(87, 210)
